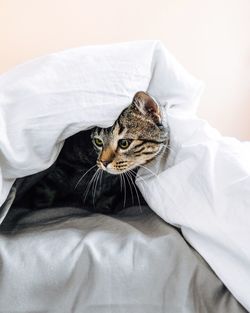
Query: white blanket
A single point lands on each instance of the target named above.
(204, 186)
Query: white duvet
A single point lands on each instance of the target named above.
(204, 185)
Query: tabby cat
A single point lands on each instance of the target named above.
(97, 167)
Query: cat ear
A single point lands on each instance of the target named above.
(147, 106)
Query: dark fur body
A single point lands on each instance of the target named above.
(56, 187)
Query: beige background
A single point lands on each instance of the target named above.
(211, 38)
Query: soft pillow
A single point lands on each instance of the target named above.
(49, 99)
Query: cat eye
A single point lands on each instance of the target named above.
(98, 142)
(124, 143)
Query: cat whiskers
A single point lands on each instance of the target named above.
(95, 184)
(130, 187)
(81, 178)
(170, 148)
(140, 177)
(125, 189)
(89, 184)
(129, 175)
(150, 171)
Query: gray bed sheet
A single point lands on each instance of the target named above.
(66, 260)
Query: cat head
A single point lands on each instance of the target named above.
(136, 137)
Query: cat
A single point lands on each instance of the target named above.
(96, 168)
(135, 139)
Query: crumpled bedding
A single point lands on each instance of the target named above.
(202, 188)
(79, 262)
(49, 99)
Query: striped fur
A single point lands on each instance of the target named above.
(138, 126)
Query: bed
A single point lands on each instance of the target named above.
(186, 250)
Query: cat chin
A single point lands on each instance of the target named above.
(115, 172)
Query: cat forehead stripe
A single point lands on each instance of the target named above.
(119, 130)
(121, 127)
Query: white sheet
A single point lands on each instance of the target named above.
(48, 99)
(205, 191)
(204, 188)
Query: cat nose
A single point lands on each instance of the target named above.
(105, 162)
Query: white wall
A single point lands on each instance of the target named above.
(209, 37)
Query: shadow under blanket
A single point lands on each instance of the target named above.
(71, 182)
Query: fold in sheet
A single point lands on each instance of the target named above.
(51, 98)
(204, 188)
(133, 262)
